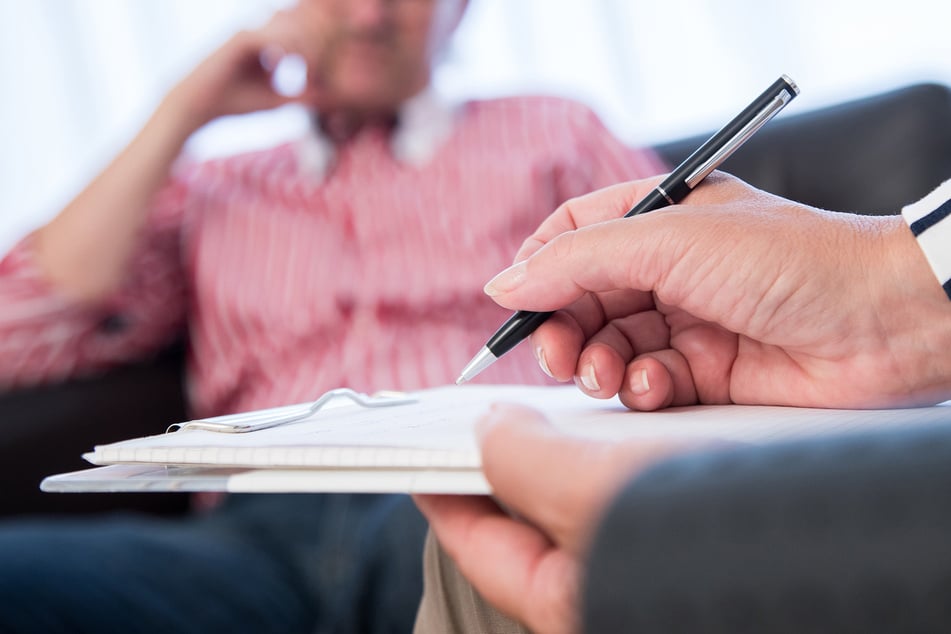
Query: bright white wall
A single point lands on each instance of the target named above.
(79, 76)
(657, 70)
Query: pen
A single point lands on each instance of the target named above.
(671, 191)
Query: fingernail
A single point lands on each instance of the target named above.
(540, 355)
(639, 383)
(588, 379)
(508, 280)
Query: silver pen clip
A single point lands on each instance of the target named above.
(273, 417)
(748, 130)
(714, 161)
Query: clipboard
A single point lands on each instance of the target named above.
(421, 442)
(141, 478)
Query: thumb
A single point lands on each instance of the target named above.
(558, 482)
(621, 254)
(540, 473)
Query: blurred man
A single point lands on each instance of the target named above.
(354, 256)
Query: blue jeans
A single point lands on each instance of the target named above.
(260, 563)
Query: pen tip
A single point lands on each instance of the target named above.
(480, 362)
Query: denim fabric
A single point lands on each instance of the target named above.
(260, 563)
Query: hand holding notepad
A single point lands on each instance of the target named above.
(427, 445)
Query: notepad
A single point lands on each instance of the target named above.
(427, 442)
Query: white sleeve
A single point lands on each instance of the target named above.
(930, 222)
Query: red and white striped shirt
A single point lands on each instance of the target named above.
(295, 274)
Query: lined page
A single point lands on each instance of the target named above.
(437, 431)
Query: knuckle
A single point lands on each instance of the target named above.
(563, 246)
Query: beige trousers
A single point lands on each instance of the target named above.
(450, 605)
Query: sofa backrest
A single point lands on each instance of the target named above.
(872, 155)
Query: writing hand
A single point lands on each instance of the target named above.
(734, 296)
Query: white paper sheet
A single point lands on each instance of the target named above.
(437, 431)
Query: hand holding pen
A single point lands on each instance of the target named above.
(672, 190)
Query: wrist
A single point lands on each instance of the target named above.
(180, 114)
(916, 314)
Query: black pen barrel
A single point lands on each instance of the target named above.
(671, 191)
(518, 327)
(653, 201)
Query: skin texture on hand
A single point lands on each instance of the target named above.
(739, 297)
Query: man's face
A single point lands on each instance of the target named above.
(371, 55)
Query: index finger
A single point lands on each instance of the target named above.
(604, 204)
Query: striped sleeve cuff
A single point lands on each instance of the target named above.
(930, 222)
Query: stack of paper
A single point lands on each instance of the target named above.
(426, 445)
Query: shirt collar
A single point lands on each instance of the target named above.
(424, 123)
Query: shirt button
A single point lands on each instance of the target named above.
(113, 324)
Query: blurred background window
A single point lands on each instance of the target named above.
(80, 76)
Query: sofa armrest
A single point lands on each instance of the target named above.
(47, 429)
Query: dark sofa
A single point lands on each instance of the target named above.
(871, 155)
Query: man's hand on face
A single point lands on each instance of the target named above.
(361, 58)
(238, 77)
